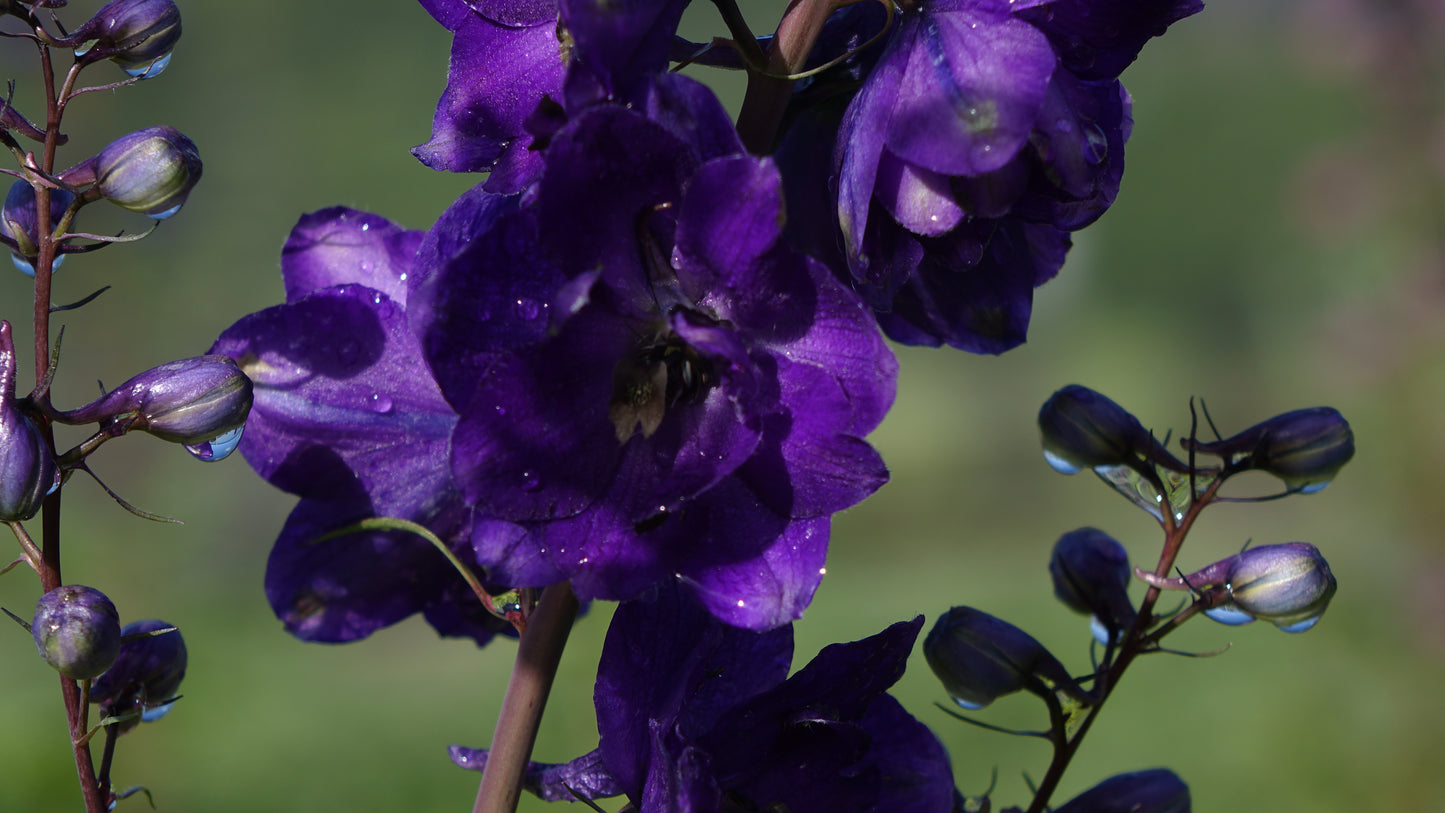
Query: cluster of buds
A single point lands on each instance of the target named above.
(979, 658)
(150, 171)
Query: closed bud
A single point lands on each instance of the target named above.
(19, 227)
(150, 171)
(1082, 429)
(1154, 791)
(1090, 571)
(1305, 448)
(188, 401)
(27, 471)
(77, 631)
(1289, 585)
(137, 35)
(980, 658)
(145, 677)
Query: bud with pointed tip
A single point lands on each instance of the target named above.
(1090, 571)
(187, 401)
(980, 658)
(1305, 448)
(1154, 791)
(137, 35)
(1083, 429)
(18, 223)
(27, 471)
(77, 631)
(146, 675)
(1290, 585)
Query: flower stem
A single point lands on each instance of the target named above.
(538, 653)
(768, 93)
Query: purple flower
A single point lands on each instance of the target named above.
(506, 58)
(698, 715)
(347, 417)
(985, 134)
(696, 407)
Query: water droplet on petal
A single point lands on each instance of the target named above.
(380, 403)
(969, 704)
(366, 227)
(217, 448)
(150, 70)
(530, 481)
(501, 410)
(1300, 626)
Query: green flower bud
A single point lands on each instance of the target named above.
(150, 171)
(77, 631)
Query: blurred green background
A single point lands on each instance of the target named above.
(1277, 244)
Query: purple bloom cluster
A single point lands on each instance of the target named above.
(699, 715)
(643, 361)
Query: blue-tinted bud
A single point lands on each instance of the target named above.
(151, 171)
(1090, 571)
(27, 471)
(1154, 791)
(1082, 429)
(77, 631)
(980, 658)
(1305, 448)
(1289, 585)
(188, 401)
(137, 35)
(18, 226)
(145, 677)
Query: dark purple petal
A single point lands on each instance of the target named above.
(765, 590)
(492, 295)
(516, 13)
(341, 246)
(607, 170)
(497, 76)
(983, 309)
(450, 13)
(584, 777)
(338, 373)
(691, 111)
(1097, 39)
(622, 43)
(970, 90)
(345, 589)
(1079, 148)
(668, 663)
(807, 466)
(843, 339)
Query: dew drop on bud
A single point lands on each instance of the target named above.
(217, 448)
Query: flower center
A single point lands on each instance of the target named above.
(663, 372)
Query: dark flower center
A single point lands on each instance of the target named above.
(663, 372)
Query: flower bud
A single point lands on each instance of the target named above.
(187, 401)
(150, 171)
(1155, 791)
(980, 658)
(27, 471)
(1305, 448)
(137, 35)
(1289, 585)
(77, 630)
(18, 223)
(146, 675)
(1090, 571)
(1082, 430)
